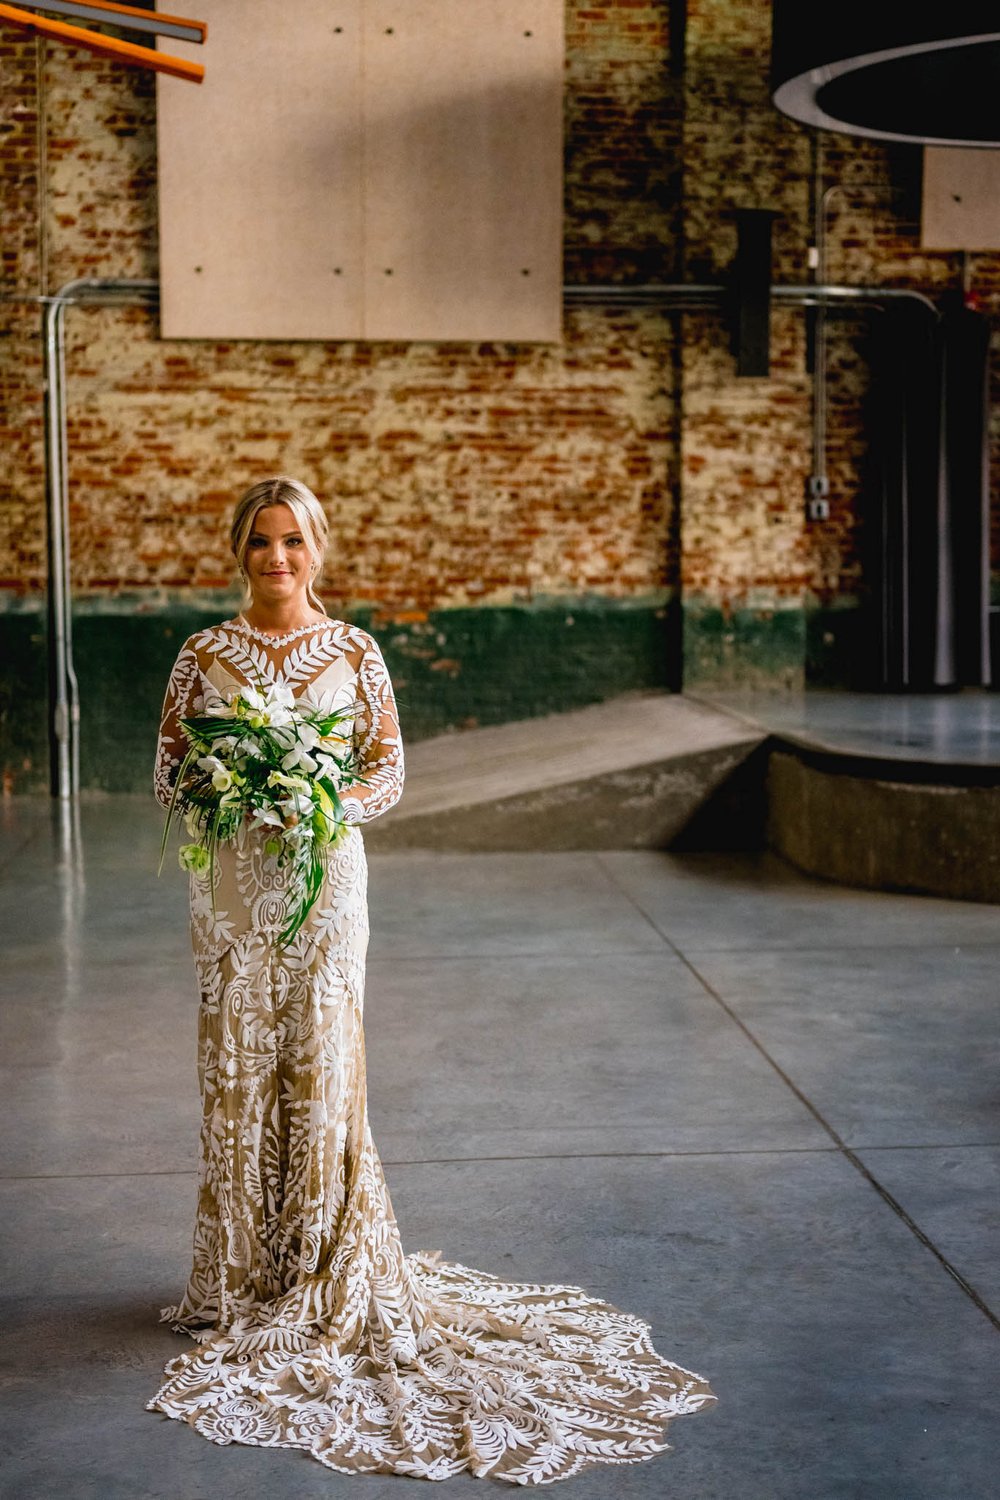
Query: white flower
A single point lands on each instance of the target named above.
(297, 805)
(266, 817)
(252, 699)
(273, 708)
(330, 767)
(298, 755)
(222, 776)
(280, 704)
(290, 783)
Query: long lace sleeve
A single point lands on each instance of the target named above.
(183, 697)
(377, 742)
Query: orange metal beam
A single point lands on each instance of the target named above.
(104, 46)
(148, 17)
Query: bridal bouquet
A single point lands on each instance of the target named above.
(266, 759)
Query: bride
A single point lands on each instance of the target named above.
(312, 1329)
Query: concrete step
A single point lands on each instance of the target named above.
(639, 771)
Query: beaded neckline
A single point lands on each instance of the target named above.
(274, 638)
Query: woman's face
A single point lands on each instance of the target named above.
(279, 564)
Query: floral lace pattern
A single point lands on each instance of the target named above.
(312, 1329)
(336, 667)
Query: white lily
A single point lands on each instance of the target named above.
(292, 783)
(299, 756)
(222, 776)
(280, 705)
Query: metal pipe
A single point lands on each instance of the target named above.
(819, 482)
(714, 293)
(64, 692)
(60, 758)
(72, 684)
(641, 294)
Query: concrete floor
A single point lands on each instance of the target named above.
(760, 1111)
(937, 728)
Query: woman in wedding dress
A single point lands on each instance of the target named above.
(312, 1329)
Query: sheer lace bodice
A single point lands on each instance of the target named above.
(330, 662)
(313, 1329)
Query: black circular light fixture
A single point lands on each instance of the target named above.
(915, 72)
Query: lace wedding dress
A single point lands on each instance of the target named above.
(313, 1330)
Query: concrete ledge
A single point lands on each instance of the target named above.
(634, 772)
(849, 823)
(659, 770)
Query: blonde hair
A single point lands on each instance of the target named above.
(282, 490)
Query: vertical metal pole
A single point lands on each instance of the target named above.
(64, 692)
(60, 758)
(72, 685)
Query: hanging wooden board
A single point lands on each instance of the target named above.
(463, 169)
(260, 177)
(961, 203)
(377, 169)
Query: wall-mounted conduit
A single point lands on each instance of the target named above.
(64, 692)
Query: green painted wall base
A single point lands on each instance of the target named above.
(760, 647)
(796, 646)
(453, 669)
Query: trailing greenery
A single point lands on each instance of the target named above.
(263, 760)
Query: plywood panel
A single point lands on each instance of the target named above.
(463, 169)
(386, 169)
(961, 208)
(260, 183)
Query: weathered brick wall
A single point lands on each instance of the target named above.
(753, 571)
(22, 562)
(623, 159)
(426, 454)
(470, 488)
(500, 513)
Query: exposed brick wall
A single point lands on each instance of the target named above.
(746, 443)
(19, 159)
(624, 105)
(453, 473)
(20, 351)
(746, 458)
(615, 469)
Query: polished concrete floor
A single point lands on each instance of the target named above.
(762, 1112)
(939, 728)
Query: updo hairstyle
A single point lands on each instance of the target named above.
(308, 513)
